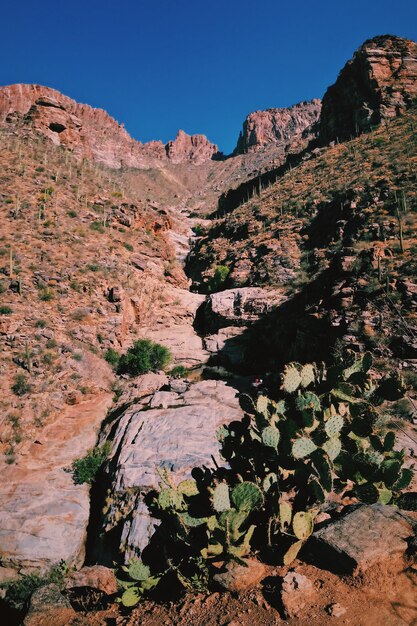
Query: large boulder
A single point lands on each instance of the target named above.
(179, 437)
(365, 536)
(239, 307)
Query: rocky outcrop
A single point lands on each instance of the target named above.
(239, 307)
(180, 436)
(186, 148)
(281, 127)
(379, 82)
(92, 133)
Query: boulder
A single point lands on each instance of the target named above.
(48, 607)
(364, 536)
(296, 593)
(96, 577)
(180, 438)
(237, 577)
(239, 307)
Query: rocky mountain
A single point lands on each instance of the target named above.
(93, 133)
(378, 83)
(288, 249)
(283, 128)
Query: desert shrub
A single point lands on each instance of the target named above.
(5, 310)
(85, 470)
(287, 459)
(128, 246)
(112, 357)
(97, 226)
(72, 213)
(21, 386)
(18, 592)
(179, 371)
(41, 323)
(144, 356)
(221, 273)
(46, 294)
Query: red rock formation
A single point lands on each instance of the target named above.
(195, 148)
(278, 126)
(90, 132)
(379, 82)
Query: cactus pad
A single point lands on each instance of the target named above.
(262, 405)
(308, 401)
(303, 525)
(188, 487)
(291, 379)
(131, 597)
(221, 500)
(332, 447)
(138, 570)
(247, 497)
(404, 480)
(168, 498)
(302, 447)
(307, 375)
(391, 471)
(334, 425)
(367, 493)
(292, 552)
(270, 436)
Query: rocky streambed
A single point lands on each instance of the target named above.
(158, 421)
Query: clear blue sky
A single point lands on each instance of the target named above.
(160, 65)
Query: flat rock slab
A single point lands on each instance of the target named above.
(368, 535)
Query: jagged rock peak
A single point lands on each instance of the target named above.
(379, 82)
(278, 126)
(195, 148)
(91, 132)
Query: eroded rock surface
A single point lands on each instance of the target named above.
(281, 127)
(179, 437)
(379, 82)
(240, 306)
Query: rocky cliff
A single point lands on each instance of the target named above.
(281, 127)
(93, 133)
(378, 83)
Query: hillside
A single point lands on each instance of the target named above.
(299, 247)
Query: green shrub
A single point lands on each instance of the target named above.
(40, 324)
(85, 470)
(112, 357)
(18, 592)
(5, 310)
(46, 294)
(97, 226)
(221, 273)
(144, 356)
(128, 246)
(21, 385)
(179, 371)
(72, 213)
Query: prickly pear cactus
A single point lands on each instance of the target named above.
(334, 425)
(291, 378)
(308, 401)
(221, 499)
(307, 375)
(247, 497)
(270, 436)
(188, 487)
(332, 447)
(302, 447)
(302, 525)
